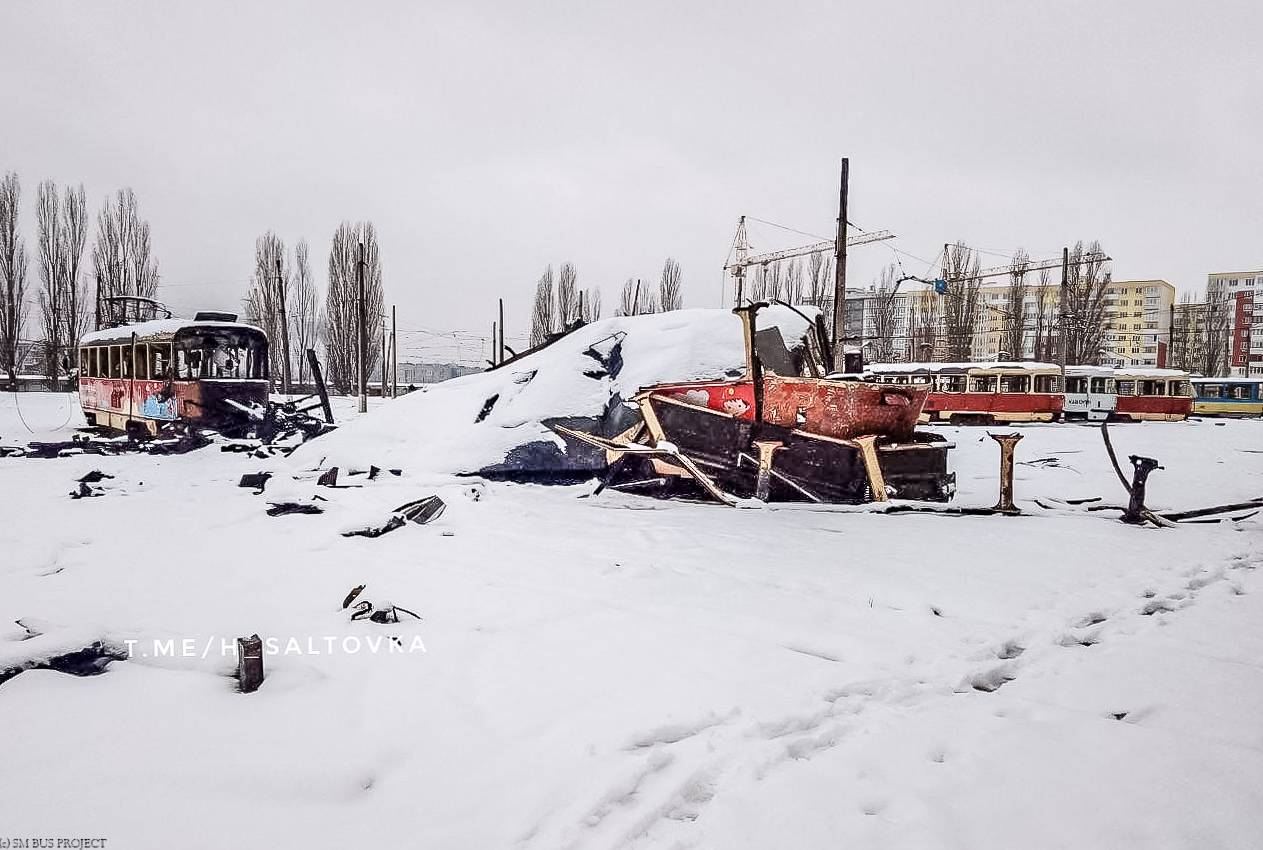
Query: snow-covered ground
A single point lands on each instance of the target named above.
(613, 671)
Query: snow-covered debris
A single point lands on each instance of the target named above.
(498, 421)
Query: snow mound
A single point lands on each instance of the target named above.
(498, 421)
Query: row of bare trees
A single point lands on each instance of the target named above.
(559, 303)
(283, 299)
(639, 298)
(1201, 334)
(122, 261)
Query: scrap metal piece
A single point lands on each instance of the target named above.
(249, 663)
(1136, 512)
(876, 481)
(663, 449)
(766, 448)
(350, 597)
(1007, 444)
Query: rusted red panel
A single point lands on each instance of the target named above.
(1166, 405)
(843, 409)
(1029, 403)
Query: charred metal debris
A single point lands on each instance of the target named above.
(279, 428)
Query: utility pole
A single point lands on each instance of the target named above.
(280, 288)
(383, 386)
(839, 271)
(500, 342)
(495, 361)
(394, 354)
(363, 335)
(1065, 315)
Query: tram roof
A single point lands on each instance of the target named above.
(157, 327)
(1024, 365)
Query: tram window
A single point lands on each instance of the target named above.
(1073, 385)
(1101, 385)
(125, 361)
(1240, 391)
(83, 362)
(951, 383)
(142, 362)
(159, 361)
(1015, 383)
(1126, 387)
(982, 384)
(188, 363)
(1153, 388)
(1048, 384)
(228, 361)
(1179, 388)
(112, 362)
(1212, 391)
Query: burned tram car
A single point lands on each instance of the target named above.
(137, 378)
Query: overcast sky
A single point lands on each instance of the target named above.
(489, 140)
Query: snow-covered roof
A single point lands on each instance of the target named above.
(960, 367)
(157, 327)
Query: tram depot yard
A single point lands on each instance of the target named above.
(599, 670)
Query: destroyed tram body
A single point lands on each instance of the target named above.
(778, 434)
(137, 378)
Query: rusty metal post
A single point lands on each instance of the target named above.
(1136, 509)
(766, 450)
(1007, 443)
(249, 663)
(876, 481)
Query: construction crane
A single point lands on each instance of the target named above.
(743, 260)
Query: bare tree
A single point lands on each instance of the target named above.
(543, 316)
(266, 298)
(1188, 334)
(74, 238)
(1083, 310)
(1216, 335)
(961, 313)
(925, 321)
(820, 285)
(342, 329)
(795, 290)
(628, 298)
(591, 304)
(670, 292)
(13, 267)
(1045, 320)
(122, 254)
(304, 312)
(52, 276)
(567, 296)
(636, 299)
(884, 316)
(1013, 321)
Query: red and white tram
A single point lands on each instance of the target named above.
(980, 393)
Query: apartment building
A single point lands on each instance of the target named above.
(1135, 322)
(1242, 295)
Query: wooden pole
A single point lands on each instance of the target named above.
(363, 335)
(494, 361)
(394, 354)
(839, 271)
(382, 392)
(500, 342)
(280, 288)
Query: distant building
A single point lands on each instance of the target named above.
(431, 373)
(1241, 294)
(908, 325)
